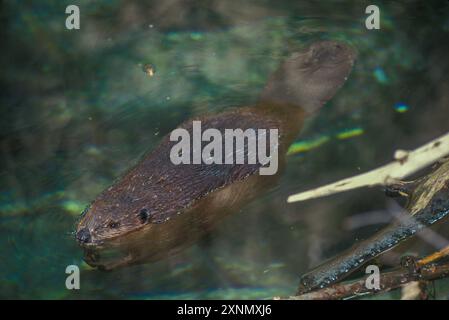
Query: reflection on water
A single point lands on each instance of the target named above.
(79, 107)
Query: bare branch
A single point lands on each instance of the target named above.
(405, 164)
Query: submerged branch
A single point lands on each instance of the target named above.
(428, 203)
(388, 281)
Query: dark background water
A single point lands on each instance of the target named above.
(77, 109)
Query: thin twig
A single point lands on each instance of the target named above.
(434, 257)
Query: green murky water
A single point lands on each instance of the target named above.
(79, 106)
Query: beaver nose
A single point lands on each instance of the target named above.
(83, 236)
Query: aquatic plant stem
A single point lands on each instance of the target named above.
(405, 164)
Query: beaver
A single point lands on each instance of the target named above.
(158, 208)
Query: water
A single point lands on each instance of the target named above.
(79, 107)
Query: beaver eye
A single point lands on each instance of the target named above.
(114, 224)
(144, 215)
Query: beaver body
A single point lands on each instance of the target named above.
(158, 208)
